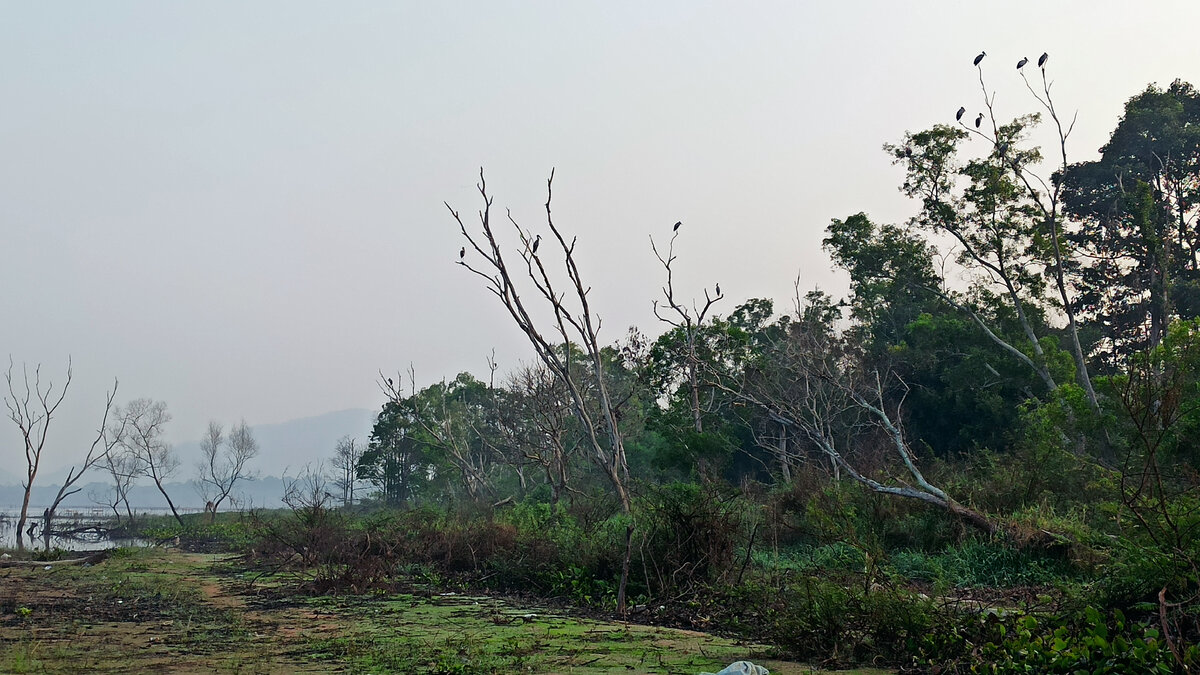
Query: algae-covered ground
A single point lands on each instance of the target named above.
(156, 610)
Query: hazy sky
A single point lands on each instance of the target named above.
(236, 207)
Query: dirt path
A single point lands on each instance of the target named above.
(170, 612)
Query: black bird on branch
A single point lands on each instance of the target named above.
(536, 241)
(462, 253)
(1022, 62)
(980, 57)
(978, 120)
(958, 115)
(677, 224)
(1042, 59)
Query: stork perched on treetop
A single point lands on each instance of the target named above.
(1042, 59)
(980, 57)
(1022, 62)
(962, 110)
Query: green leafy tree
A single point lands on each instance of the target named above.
(996, 230)
(458, 420)
(395, 461)
(956, 356)
(1136, 210)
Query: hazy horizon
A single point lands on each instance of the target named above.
(237, 208)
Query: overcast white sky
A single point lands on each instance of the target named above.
(236, 207)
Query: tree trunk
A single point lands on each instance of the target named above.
(972, 517)
(694, 382)
(24, 515)
(625, 568)
(170, 503)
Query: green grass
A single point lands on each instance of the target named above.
(980, 564)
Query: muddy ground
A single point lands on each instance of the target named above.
(166, 611)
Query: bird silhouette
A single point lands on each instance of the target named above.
(978, 120)
(462, 253)
(1042, 59)
(718, 289)
(958, 115)
(980, 57)
(677, 224)
(1022, 62)
(537, 241)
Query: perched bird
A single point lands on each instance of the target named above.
(718, 289)
(958, 115)
(907, 151)
(1042, 59)
(1002, 148)
(978, 120)
(462, 253)
(537, 241)
(980, 57)
(1022, 62)
(677, 224)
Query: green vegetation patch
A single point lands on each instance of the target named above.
(472, 634)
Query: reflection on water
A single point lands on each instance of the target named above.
(71, 530)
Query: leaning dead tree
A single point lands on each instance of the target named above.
(819, 392)
(572, 323)
(688, 321)
(107, 438)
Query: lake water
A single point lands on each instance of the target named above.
(72, 519)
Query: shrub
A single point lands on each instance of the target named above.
(1086, 643)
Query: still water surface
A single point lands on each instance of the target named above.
(90, 524)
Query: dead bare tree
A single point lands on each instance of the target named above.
(540, 413)
(811, 386)
(144, 422)
(689, 321)
(32, 410)
(107, 438)
(123, 467)
(223, 463)
(346, 455)
(572, 322)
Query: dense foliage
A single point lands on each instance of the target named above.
(982, 459)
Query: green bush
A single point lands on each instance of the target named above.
(1082, 644)
(812, 617)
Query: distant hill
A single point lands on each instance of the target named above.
(287, 447)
